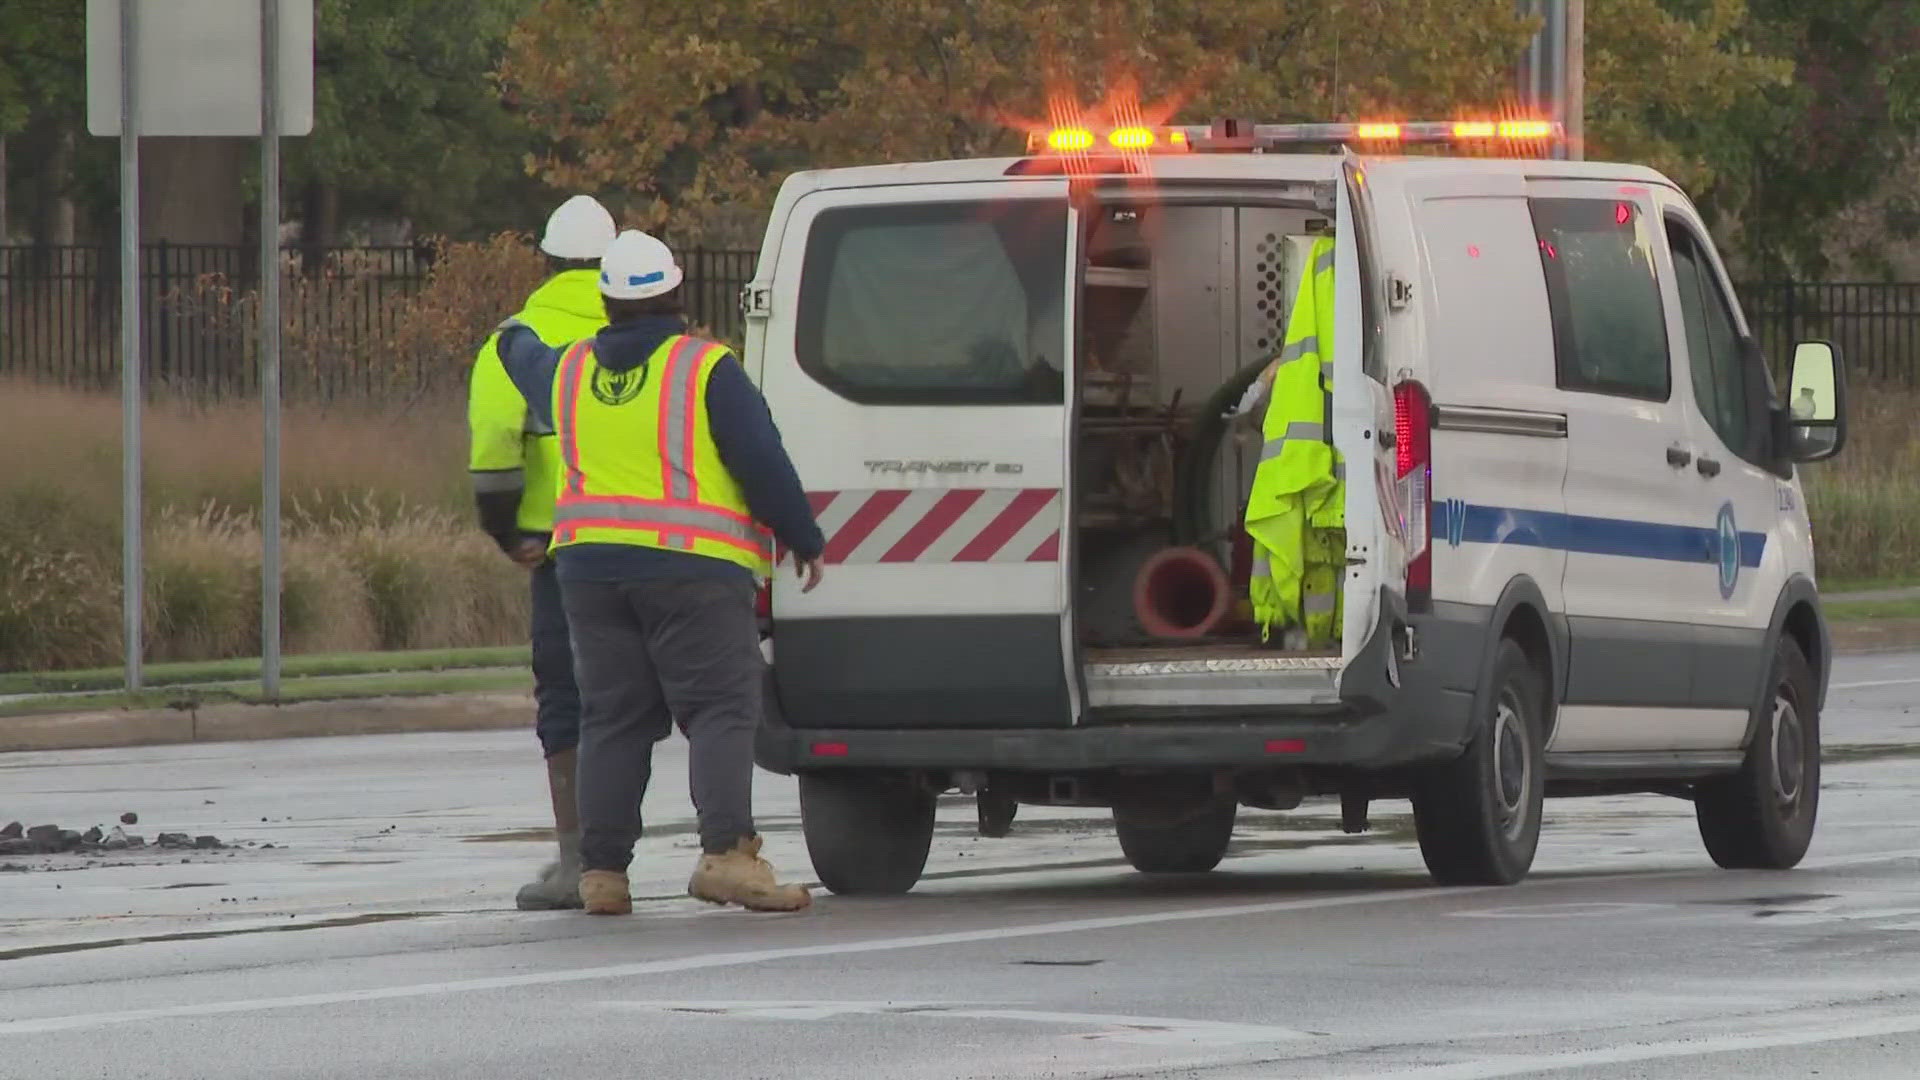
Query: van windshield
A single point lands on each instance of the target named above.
(937, 303)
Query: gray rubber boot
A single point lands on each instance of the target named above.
(558, 888)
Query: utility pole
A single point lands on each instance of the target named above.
(1576, 95)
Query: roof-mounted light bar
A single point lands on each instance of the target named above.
(1227, 136)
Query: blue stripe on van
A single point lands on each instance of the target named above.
(1457, 522)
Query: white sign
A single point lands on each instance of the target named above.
(199, 67)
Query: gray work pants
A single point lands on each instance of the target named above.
(646, 654)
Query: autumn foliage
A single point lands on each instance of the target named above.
(686, 116)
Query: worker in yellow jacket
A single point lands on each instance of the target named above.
(1296, 511)
(515, 466)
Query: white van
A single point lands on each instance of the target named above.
(1579, 563)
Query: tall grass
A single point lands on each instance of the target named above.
(1865, 503)
(381, 550)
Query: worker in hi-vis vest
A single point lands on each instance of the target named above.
(1296, 510)
(515, 465)
(674, 489)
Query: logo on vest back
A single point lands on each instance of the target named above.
(618, 387)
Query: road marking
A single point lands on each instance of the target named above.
(710, 961)
(1535, 1064)
(1870, 684)
(1132, 1030)
(1572, 910)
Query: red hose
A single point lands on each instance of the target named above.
(1181, 592)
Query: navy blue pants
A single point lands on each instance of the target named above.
(556, 696)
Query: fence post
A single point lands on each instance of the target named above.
(1791, 311)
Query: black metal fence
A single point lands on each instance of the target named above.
(59, 317)
(345, 309)
(1875, 326)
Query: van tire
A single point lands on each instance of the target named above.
(1762, 817)
(867, 833)
(1478, 816)
(1193, 843)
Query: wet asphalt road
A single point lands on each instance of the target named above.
(373, 939)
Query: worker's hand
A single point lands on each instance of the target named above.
(529, 553)
(809, 571)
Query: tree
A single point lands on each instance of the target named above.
(41, 92)
(694, 110)
(408, 121)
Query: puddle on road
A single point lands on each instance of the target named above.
(1840, 755)
(352, 862)
(1784, 900)
(190, 885)
(208, 935)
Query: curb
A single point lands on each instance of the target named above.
(491, 711)
(227, 722)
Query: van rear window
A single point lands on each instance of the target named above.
(1609, 325)
(937, 303)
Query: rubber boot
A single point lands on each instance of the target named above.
(558, 887)
(742, 877)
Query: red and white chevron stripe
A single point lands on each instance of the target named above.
(941, 525)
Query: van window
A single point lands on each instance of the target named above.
(1609, 326)
(937, 303)
(1718, 362)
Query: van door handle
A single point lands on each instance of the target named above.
(1708, 467)
(1679, 458)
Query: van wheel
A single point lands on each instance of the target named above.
(867, 833)
(1761, 818)
(1478, 817)
(1192, 843)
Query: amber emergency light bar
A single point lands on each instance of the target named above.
(1230, 135)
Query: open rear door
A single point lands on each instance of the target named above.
(918, 354)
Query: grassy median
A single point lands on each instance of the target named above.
(382, 554)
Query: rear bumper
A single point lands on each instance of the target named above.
(1391, 713)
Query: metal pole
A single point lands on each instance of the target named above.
(1554, 39)
(270, 348)
(1576, 79)
(133, 588)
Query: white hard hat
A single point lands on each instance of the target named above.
(637, 266)
(580, 229)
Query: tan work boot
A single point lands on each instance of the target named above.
(558, 887)
(604, 892)
(742, 877)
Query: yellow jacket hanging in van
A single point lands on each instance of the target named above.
(1296, 511)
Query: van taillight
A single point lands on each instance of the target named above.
(1413, 469)
(763, 602)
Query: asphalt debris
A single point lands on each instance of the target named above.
(16, 839)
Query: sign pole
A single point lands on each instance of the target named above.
(270, 348)
(133, 590)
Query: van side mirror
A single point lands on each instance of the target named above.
(1816, 409)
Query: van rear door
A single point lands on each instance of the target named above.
(917, 355)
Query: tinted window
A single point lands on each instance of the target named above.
(1720, 377)
(1609, 328)
(937, 304)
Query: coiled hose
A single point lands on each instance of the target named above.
(1193, 480)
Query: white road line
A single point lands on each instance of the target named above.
(1873, 683)
(1535, 1064)
(710, 961)
(1135, 1030)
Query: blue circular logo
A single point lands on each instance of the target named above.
(1727, 545)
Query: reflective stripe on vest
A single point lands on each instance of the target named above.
(674, 510)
